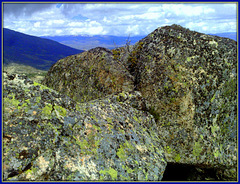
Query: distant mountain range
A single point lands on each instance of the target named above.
(231, 35)
(89, 42)
(34, 51)
(110, 42)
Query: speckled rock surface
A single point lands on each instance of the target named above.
(189, 81)
(49, 137)
(90, 75)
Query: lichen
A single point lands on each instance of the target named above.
(47, 110)
(112, 172)
(62, 111)
(197, 149)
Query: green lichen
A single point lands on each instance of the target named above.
(61, 110)
(216, 154)
(177, 158)
(11, 101)
(197, 149)
(121, 153)
(112, 172)
(124, 149)
(168, 149)
(135, 118)
(214, 129)
(31, 171)
(41, 86)
(213, 98)
(188, 59)
(109, 120)
(129, 170)
(47, 110)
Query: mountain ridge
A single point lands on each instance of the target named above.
(37, 52)
(87, 42)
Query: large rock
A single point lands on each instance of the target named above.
(90, 75)
(49, 137)
(189, 81)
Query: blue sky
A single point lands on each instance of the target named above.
(119, 19)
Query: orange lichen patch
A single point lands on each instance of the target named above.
(89, 129)
(83, 158)
(88, 125)
(5, 167)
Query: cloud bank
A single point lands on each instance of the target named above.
(48, 19)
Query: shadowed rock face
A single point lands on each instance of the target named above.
(49, 137)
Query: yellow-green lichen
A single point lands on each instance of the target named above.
(124, 149)
(41, 86)
(129, 170)
(112, 172)
(11, 101)
(197, 149)
(121, 153)
(168, 149)
(47, 110)
(216, 154)
(213, 98)
(177, 157)
(60, 110)
(135, 118)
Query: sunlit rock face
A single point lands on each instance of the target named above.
(189, 81)
(49, 137)
(90, 75)
(183, 80)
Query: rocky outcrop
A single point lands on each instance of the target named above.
(49, 137)
(90, 75)
(189, 82)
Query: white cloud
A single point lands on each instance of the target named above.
(75, 24)
(117, 18)
(37, 24)
(133, 29)
(187, 10)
